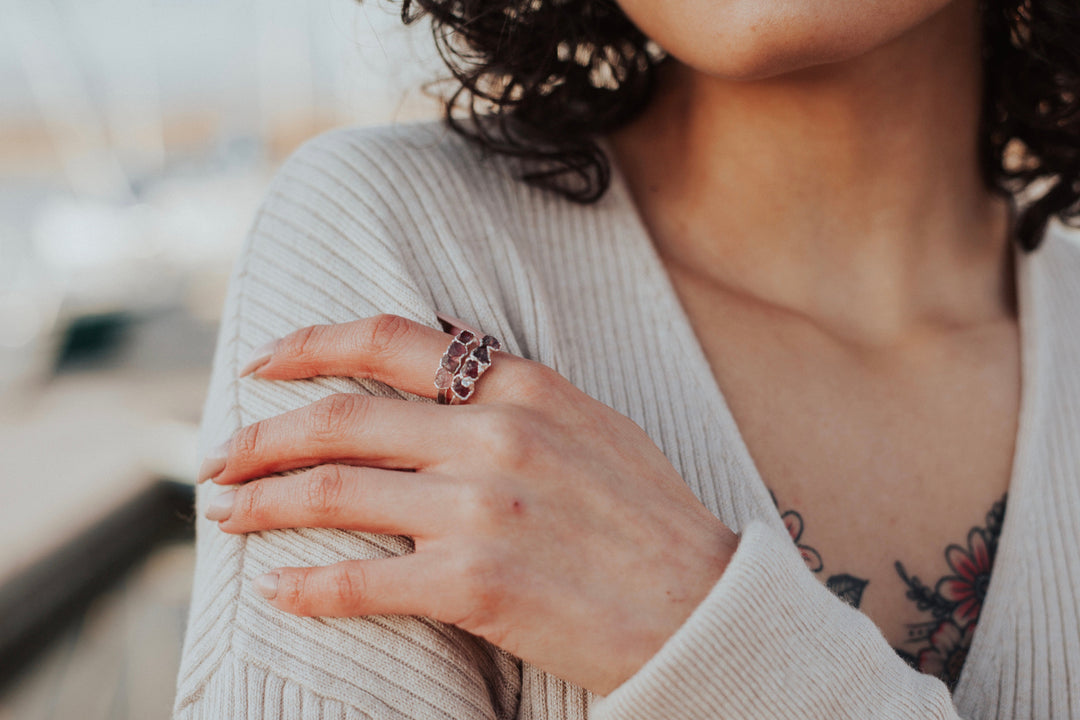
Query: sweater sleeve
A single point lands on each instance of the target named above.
(328, 245)
(770, 641)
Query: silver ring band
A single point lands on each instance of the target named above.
(472, 367)
(460, 348)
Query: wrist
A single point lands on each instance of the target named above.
(699, 566)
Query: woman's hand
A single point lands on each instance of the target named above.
(543, 520)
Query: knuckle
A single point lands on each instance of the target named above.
(246, 441)
(385, 334)
(249, 506)
(322, 490)
(481, 581)
(534, 384)
(478, 500)
(347, 585)
(487, 505)
(331, 416)
(293, 591)
(302, 342)
(510, 437)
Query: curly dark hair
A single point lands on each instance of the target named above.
(539, 79)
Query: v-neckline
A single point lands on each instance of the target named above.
(658, 286)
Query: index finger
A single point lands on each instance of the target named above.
(387, 348)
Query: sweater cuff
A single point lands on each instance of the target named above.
(771, 641)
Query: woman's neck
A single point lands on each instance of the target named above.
(847, 193)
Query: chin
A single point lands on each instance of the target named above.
(758, 39)
(759, 56)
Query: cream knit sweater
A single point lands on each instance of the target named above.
(410, 220)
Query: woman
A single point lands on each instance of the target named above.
(809, 207)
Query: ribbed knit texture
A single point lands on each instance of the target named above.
(410, 220)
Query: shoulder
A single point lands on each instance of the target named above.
(406, 192)
(401, 150)
(416, 172)
(409, 219)
(417, 212)
(418, 146)
(377, 215)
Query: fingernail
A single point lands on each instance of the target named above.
(266, 585)
(214, 462)
(258, 357)
(220, 508)
(457, 323)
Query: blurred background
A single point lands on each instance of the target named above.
(136, 140)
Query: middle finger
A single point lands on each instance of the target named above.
(347, 428)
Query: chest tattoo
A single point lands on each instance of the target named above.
(951, 605)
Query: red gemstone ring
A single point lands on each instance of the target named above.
(475, 364)
(460, 347)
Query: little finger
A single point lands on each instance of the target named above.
(388, 586)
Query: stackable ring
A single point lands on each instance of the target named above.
(465, 360)
(460, 347)
(475, 364)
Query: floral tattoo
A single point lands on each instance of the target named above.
(847, 587)
(938, 646)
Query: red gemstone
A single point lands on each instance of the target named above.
(456, 349)
(481, 354)
(492, 342)
(465, 336)
(471, 368)
(443, 378)
(462, 390)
